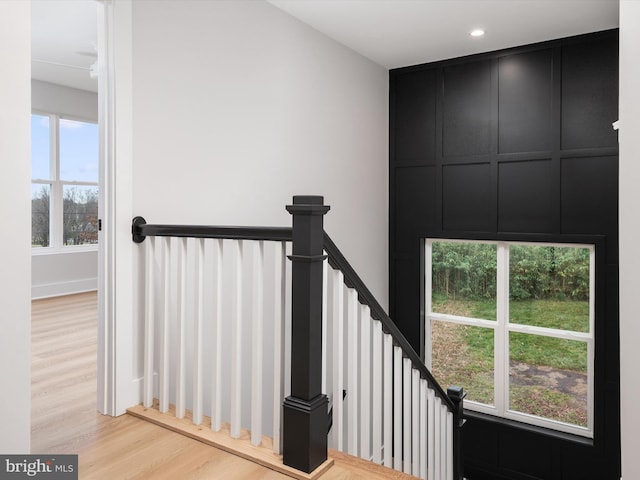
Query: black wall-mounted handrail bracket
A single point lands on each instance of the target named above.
(136, 230)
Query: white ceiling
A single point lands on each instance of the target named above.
(63, 39)
(392, 33)
(397, 33)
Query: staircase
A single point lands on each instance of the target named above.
(251, 328)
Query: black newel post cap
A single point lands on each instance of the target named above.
(456, 393)
(308, 205)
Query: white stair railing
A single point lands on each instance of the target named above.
(217, 338)
(215, 319)
(423, 424)
(393, 413)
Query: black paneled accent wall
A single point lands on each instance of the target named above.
(515, 144)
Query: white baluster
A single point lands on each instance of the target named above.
(236, 346)
(387, 388)
(365, 382)
(337, 316)
(449, 445)
(325, 314)
(415, 422)
(443, 440)
(182, 329)
(436, 445)
(377, 375)
(216, 394)
(147, 380)
(165, 341)
(278, 342)
(431, 434)
(353, 373)
(198, 362)
(256, 340)
(397, 408)
(406, 421)
(424, 446)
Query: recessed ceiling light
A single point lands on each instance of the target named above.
(478, 32)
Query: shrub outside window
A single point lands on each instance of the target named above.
(513, 323)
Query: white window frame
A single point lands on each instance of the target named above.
(56, 195)
(502, 328)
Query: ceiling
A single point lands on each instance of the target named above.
(397, 33)
(63, 39)
(392, 33)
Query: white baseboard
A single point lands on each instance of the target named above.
(138, 387)
(63, 288)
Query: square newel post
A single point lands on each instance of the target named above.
(305, 416)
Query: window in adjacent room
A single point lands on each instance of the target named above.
(64, 186)
(513, 323)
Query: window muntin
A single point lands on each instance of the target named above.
(542, 334)
(64, 167)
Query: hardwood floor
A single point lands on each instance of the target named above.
(64, 417)
(63, 373)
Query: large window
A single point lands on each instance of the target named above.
(513, 323)
(64, 186)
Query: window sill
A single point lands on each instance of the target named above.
(40, 251)
(547, 432)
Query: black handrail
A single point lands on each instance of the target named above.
(338, 261)
(140, 229)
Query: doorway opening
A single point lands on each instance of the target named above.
(66, 186)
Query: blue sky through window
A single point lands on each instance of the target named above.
(40, 148)
(78, 151)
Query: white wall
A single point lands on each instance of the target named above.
(237, 107)
(57, 273)
(629, 235)
(67, 102)
(54, 274)
(15, 211)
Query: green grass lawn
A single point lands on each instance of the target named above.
(531, 349)
(464, 354)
